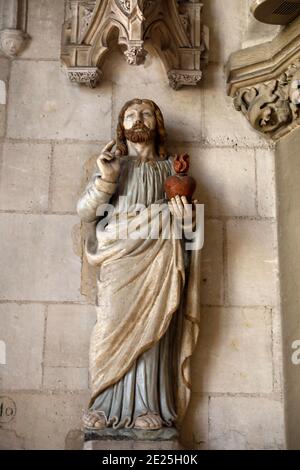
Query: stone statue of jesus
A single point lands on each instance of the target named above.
(148, 288)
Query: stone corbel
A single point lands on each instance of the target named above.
(172, 27)
(264, 82)
(13, 25)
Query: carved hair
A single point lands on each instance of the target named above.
(160, 128)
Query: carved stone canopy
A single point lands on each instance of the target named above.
(13, 23)
(264, 82)
(172, 27)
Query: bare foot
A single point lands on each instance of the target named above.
(148, 421)
(94, 420)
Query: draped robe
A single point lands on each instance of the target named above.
(147, 303)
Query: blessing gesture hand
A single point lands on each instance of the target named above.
(109, 163)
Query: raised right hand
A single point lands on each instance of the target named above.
(109, 163)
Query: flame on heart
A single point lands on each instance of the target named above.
(181, 163)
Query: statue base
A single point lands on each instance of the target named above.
(132, 439)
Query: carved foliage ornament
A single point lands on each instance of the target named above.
(173, 28)
(273, 107)
(86, 76)
(264, 81)
(125, 4)
(177, 78)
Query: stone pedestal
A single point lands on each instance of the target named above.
(132, 439)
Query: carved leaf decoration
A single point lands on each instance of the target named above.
(250, 95)
(284, 112)
(124, 5)
(282, 93)
(273, 107)
(265, 116)
(244, 98)
(267, 90)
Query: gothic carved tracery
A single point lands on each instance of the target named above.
(172, 27)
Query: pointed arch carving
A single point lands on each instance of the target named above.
(174, 29)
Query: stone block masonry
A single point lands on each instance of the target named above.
(49, 130)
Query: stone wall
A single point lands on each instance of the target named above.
(288, 191)
(49, 129)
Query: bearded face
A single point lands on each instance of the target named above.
(140, 123)
(139, 133)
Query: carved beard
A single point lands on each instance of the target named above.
(139, 134)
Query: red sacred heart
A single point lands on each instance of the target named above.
(180, 184)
